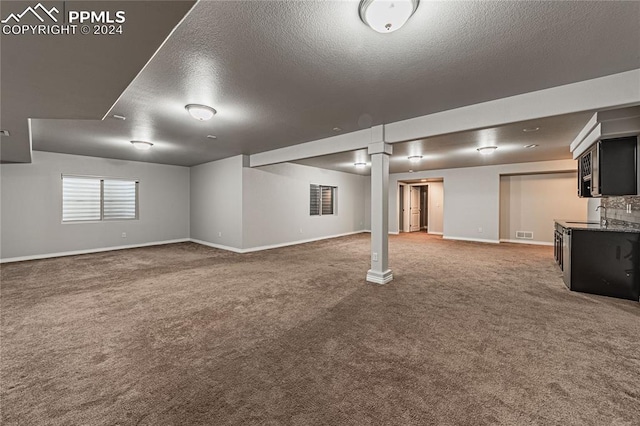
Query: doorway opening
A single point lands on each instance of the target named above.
(420, 206)
(401, 208)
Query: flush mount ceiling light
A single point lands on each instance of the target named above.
(212, 136)
(533, 145)
(530, 129)
(387, 16)
(360, 165)
(119, 117)
(200, 112)
(415, 158)
(142, 145)
(487, 150)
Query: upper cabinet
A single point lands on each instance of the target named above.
(609, 168)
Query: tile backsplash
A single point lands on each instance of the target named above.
(617, 210)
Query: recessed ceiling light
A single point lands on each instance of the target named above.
(487, 150)
(533, 145)
(119, 117)
(386, 16)
(212, 136)
(415, 158)
(360, 165)
(142, 145)
(337, 129)
(5, 133)
(531, 129)
(200, 112)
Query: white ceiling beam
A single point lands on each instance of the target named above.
(340, 143)
(586, 130)
(615, 90)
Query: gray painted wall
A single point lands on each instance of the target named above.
(31, 210)
(216, 202)
(276, 204)
(472, 196)
(531, 203)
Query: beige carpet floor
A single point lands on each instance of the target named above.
(466, 334)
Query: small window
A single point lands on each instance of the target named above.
(94, 199)
(322, 200)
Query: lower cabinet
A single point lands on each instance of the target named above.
(603, 262)
(557, 245)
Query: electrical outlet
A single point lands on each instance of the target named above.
(301, 230)
(480, 230)
(219, 234)
(124, 235)
(629, 208)
(374, 257)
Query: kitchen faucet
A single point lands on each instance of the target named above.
(603, 219)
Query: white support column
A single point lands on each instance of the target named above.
(380, 152)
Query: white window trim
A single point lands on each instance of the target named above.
(102, 179)
(334, 199)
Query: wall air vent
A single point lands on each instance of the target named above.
(524, 235)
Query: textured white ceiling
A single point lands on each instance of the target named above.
(74, 76)
(461, 149)
(282, 73)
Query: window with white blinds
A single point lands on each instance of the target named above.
(80, 199)
(322, 200)
(119, 199)
(94, 199)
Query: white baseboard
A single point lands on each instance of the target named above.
(475, 240)
(273, 246)
(435, 233)
(379, 277)
(390, 232)
(218, 246)
(182, 240)
(88, 251)
(535, 243)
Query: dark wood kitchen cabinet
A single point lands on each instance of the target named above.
(557, 244)
(609, 168)
(602, 262)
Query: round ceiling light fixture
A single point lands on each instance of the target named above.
(415, 158)
(200, 112)
(387, 16)
(487, 150)
(142, 145)
(360, 165)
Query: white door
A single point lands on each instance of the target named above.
(415, 209)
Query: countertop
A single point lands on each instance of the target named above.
(594, 226)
